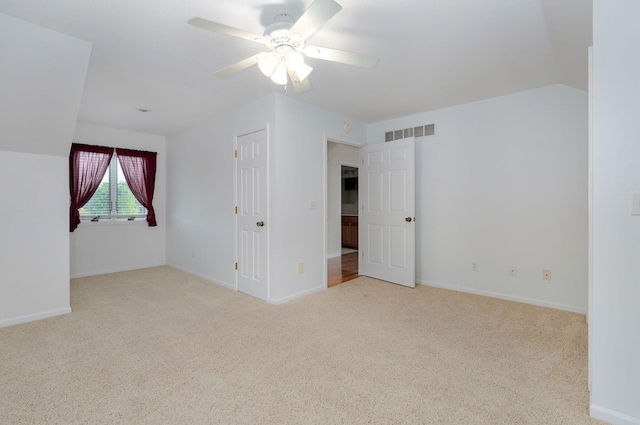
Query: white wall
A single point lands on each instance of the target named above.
(504, 183)
(299, 178)
(615, 319)
(201, 200)
(43, 74)
(338, 154)
(201, 194)
(97, 248)
(34, 229)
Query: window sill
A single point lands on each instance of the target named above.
(112, 222)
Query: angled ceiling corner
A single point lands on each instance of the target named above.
(569, 24)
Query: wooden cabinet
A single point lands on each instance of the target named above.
(350, 231)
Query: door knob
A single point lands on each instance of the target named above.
(260, 224)
(408, 219)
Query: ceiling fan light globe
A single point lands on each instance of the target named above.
(294, 60)
(280, 74)
(303, 71)
(268, 64)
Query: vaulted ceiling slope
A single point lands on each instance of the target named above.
(433, 54)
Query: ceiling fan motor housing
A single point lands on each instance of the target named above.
(280, 27)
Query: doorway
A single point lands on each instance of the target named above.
(386, 208)
(342, 269)
(349, 208)
(342, 212)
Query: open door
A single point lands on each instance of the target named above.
(387, 212)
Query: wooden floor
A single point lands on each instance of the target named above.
(342, 269)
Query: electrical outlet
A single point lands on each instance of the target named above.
(474, 267)
(513, 271)
(300, 267)
(546, 274)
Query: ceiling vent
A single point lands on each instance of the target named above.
(420, 131)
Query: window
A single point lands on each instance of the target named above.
(111, 183)
(113, 199)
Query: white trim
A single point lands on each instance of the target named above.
(201, 276)
(278, 301)
(348, 142)
(234, 180)
(507, 297)
(325, 212)
(31, 317)
(611, 416)
(111, 221)
(590, 222)
(118, 270)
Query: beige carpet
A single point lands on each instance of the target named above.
(158, 346)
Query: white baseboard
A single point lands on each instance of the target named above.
(611, 416)
(232, 287)
(203, 277)
(334, 255)
(278, 301)
(31, 317)
(507, 297)
(115, 270)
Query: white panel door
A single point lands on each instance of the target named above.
(386, 187)
(251, 216)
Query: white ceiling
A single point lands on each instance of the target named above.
(433, 54)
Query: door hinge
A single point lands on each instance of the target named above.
(236, 210)
(236, 266)
(235, 153)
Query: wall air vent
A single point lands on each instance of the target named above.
(420, 131)
(430, 130)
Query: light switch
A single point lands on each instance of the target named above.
(635, 204)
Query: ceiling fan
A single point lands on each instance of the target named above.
(287, 42)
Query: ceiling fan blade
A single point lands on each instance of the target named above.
(225, 29)
(300, 86)
(317, 14)
(341, 56)
(237, 67)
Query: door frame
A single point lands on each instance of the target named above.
(325, 213)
